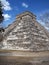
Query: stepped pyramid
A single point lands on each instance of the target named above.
(25, 33)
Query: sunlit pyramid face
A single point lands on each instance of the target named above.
(26, 34)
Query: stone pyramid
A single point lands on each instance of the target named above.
(25, 33)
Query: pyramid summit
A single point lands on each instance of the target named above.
(25, 33)
(26, 13)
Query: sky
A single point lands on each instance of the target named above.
(11, 8)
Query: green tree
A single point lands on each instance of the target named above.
(1, 16)
(1, 20)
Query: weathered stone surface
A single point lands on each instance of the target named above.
(21, 38)
(26, 34)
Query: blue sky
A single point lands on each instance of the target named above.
(14, 7)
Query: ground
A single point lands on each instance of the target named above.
(24, 58)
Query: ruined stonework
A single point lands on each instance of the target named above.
(25, 34)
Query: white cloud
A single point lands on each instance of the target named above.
(25, 5)
(6, 17)
(6, 5)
